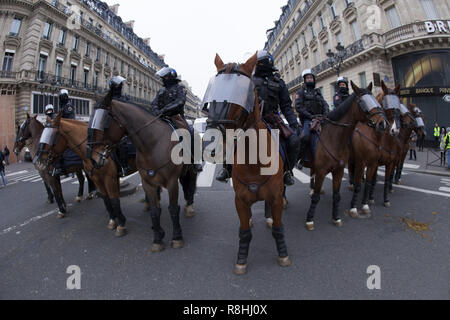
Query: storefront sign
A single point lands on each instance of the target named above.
(425, 91)
(440, 26)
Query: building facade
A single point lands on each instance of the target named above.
(404, 42)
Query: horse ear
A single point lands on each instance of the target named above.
(355, 88)
(250, 65)
(219, 63)
(370, 87)
(397, 89)
(385, 89)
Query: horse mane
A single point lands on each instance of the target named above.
(338, 113)
(108, 99)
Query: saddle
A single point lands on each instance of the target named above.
(275, 122)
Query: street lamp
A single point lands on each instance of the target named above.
(335, 60)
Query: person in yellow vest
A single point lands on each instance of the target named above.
(437, 134)
(447, 147)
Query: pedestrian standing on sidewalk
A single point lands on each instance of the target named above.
(6, 153)
(447, 147)
(412, 146)
(2, 169)
(442, 146)
(436, 134)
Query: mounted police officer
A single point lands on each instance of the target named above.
(50, 111)
(116, 86)
(342, 91)
(68, 110)
(170, 101)
(273, 96)
(310, 105)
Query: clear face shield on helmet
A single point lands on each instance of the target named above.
(391, 101)
(368, 102)
(48, 136)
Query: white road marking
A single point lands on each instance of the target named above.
(411, 166)
(37, 180)
(445, 189)
(67, 180)
(37, 218)
(420, 190)
(16, 173)
(24, 176)
(31, 178)
(206, 177)
(128, 177)
(302, 177)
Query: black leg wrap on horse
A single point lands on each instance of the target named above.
(278, 234)
(387, 187)
(367, 189)
(175, 215)
(314, 201)
(336, 201)
(355, 195)
(159, 233)
(244, 244)
(312, 183)
(119, 217)
(372, 189)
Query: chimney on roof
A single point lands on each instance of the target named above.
(115, 8)
(130, 24)
(147, 41)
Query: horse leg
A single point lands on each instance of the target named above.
(388, 184)
(351, 175)
(315, 198)
(57, 191)
(358, 172)
(155, 212)
(189, 184)
(267, 215)
(278, 232)
(373, 185)
(111, 183)
(245, 235)
(174, 209)
(80, 177)
(112, 225)
(91, 188)
(338, 174)
(371, 176)
(285, 200)
(51, 198)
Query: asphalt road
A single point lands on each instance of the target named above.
(330, 263)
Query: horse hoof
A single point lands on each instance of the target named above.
(285, 203)
(338, 223)
(284, 262)
(158, 247)
(250, 223)
(90, 196)
(353, 213)
(351, 188)
(387, 204)
(121, 232)
(112, 225)
(189, 211)
(177, 244)
(78, 199)
(371, 201)
(61, 215)
(311, 193)
(240, 269)
(269, 223)
(50, 201)
(310, 226)
(366, 210)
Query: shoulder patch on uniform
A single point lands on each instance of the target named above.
(297, 96)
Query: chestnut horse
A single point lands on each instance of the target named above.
(29, 134)
(249, 184)
(73, 134)
(332, 152)
(152, 137)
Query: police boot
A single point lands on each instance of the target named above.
(293, 150)
(288, 178)
(224, 174)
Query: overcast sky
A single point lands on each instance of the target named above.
(190, 32)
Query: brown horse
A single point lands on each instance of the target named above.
(249, 184)
(73, 134)
(332, 152)
(29, 134)
(371, 148)
(405, 137)
(152, 137)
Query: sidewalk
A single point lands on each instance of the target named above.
(433, 167)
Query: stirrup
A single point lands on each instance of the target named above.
(223, 176)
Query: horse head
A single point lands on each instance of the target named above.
(23, 133)
(419, 120)
(367, 108)
(390, 99)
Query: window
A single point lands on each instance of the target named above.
(326, 47)
(363, 80)
(47, 30)
(97, 57)
(87, 53)
(348, 2)
(304, 39)
(15, 27)
(296, 46)
(311, 28)
(42, 66)
(322, 24)
(58, 70)
(62, 37)
(339, 38)
(333, 10)
(76, 41)
(95, 82)
(73, 74)
(429, 9)
(86, 78)
(107, 59)
(8, 61)
(316, 58)
(122, 67)
(355, 30)
(115, 63)
(393, 17)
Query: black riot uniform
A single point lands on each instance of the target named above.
(309, 104)
(68, 110)
(273, 96)
(341, 92)
(170, 101)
